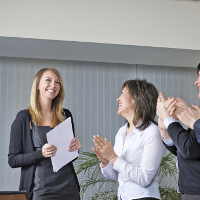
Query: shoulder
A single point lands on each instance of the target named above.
(23, 117)
(23, 114)
(67, 113)
(152, 130)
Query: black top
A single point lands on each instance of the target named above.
(22, 152)
(187, 150)
(48, 184)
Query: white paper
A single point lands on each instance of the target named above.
(61, 137)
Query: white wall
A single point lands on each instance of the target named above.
(158, 23)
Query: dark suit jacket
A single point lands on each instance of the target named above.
(21, 150)
(197, 130)
(187, 150)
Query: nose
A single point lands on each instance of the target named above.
(197, 82)
(53, 84)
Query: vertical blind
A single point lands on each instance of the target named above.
(91, 90)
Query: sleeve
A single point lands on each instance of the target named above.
(197, 130)
(69, 114)
(109, 172)
(152, 155)
(171, 148)
(17, 157)
(184, 140)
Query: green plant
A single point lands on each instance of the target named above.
(88, 164)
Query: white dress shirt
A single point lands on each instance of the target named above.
(139, 156)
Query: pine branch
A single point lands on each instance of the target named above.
(167, 167)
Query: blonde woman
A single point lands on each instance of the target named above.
(28, 144)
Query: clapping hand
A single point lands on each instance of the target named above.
(104, 149)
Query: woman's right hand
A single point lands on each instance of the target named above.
(49, 150)
(103, 161)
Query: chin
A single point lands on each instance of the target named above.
(51, 97)
(119, 112)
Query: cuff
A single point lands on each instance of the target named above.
(168, 121)
(37, 155)
(119, 164)
(107, 167)
(168, 142)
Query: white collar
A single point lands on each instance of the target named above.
(135, 130)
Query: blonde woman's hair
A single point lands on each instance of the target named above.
(57, 102)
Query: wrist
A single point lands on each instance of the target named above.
(104, 164)
(113, 158)
(192, 124)
(164, 134)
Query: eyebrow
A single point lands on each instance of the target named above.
(51, 78)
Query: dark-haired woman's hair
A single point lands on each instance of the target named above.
(145, 97)
(198, 68)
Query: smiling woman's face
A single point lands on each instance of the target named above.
(126, 103)
(49, 85)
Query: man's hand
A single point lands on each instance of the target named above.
(187, 115)
(160, 109)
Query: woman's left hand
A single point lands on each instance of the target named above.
(104, 148)
(75, 144)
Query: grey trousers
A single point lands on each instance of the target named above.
(190, 197)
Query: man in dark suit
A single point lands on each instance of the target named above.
(182, 143)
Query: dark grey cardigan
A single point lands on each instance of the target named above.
(21, 150)
(187, 150)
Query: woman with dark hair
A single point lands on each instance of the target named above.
(28, 143)
(138, 149)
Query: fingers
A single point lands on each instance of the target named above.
(169, 102)
(159, 99)
(170, 105)
(180, 108)
(181, 101)
(196, 108)
(172, 111)
(96, 143)
(162, 97)
(75, 144)
(99, 142)
(49, 150)
(103, 161)
(96, 151)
